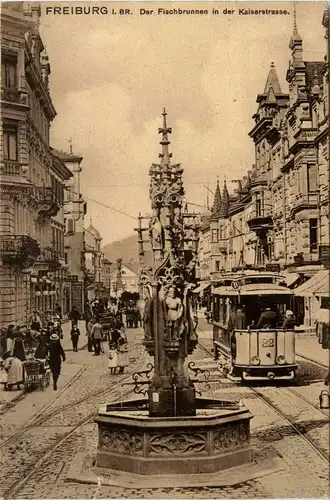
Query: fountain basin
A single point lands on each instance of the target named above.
(129, 440)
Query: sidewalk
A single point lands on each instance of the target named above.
(7, 398)
(310, 348)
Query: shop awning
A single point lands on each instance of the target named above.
(202, 287)
(254, 289)
(323, 288)
(316, 285)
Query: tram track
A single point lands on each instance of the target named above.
(42, 417)
(287, 418)
(114, 393)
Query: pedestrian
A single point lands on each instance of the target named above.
(75, 332)
(289, 321)
(322, 318)
(9, 337)
(89, 334)
(237, 319)
(15, 371)
(42, 349)
(122, 350)
(267, 319)
(112, 355)
(58, 310)
(74, 316)
(56, 355)
(35, 322)
(97, 334)
(18, 349)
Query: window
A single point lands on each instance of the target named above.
(10, 149)
(312, 177)
(70, 226)
(9, 71)
(214, 236)
(313, 234)
(217, 265)
(258, 208)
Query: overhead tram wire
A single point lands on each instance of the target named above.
(98, 202)
(86, 197)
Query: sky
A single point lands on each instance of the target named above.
(112, 75)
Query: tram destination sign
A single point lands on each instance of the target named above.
(274, 268)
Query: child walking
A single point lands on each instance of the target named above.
(75, 332)
(112, 355)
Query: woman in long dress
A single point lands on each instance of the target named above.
(15, 371)
(122, 352)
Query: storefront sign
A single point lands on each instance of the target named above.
(77, 295)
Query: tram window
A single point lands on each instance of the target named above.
(216, 309)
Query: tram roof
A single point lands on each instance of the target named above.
(253, 289)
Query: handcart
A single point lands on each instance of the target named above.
(37, 374)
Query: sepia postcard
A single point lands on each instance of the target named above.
(164, 250)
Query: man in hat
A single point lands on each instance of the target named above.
(267, 319)
(237, 319)
(56, 354)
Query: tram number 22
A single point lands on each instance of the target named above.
(267, 343)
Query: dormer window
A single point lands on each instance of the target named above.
(9, 71)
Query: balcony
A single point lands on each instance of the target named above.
(51, 257)
(9, 168)
(48, 204)
(260, 221)
(21, 251)
(304, 202)
(303, 138)
(14, 95)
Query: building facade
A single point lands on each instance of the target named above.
(98, 269)
(75, 209)
(32, 181)
(279, 214)
(129, 279)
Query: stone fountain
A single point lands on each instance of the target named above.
(172, 431)
(170, 436)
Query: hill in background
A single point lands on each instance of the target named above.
(127, 249)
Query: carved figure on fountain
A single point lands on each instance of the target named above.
(174, 314)
(156, 233)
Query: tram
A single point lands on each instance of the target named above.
(253, 353)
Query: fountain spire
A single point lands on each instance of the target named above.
(165, 155)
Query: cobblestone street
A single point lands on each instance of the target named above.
(43, 431)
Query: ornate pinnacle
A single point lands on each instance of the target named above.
(165, 155)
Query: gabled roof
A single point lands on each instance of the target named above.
(272, 81)
(217, 200)
(62, 155)
(132, 266)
